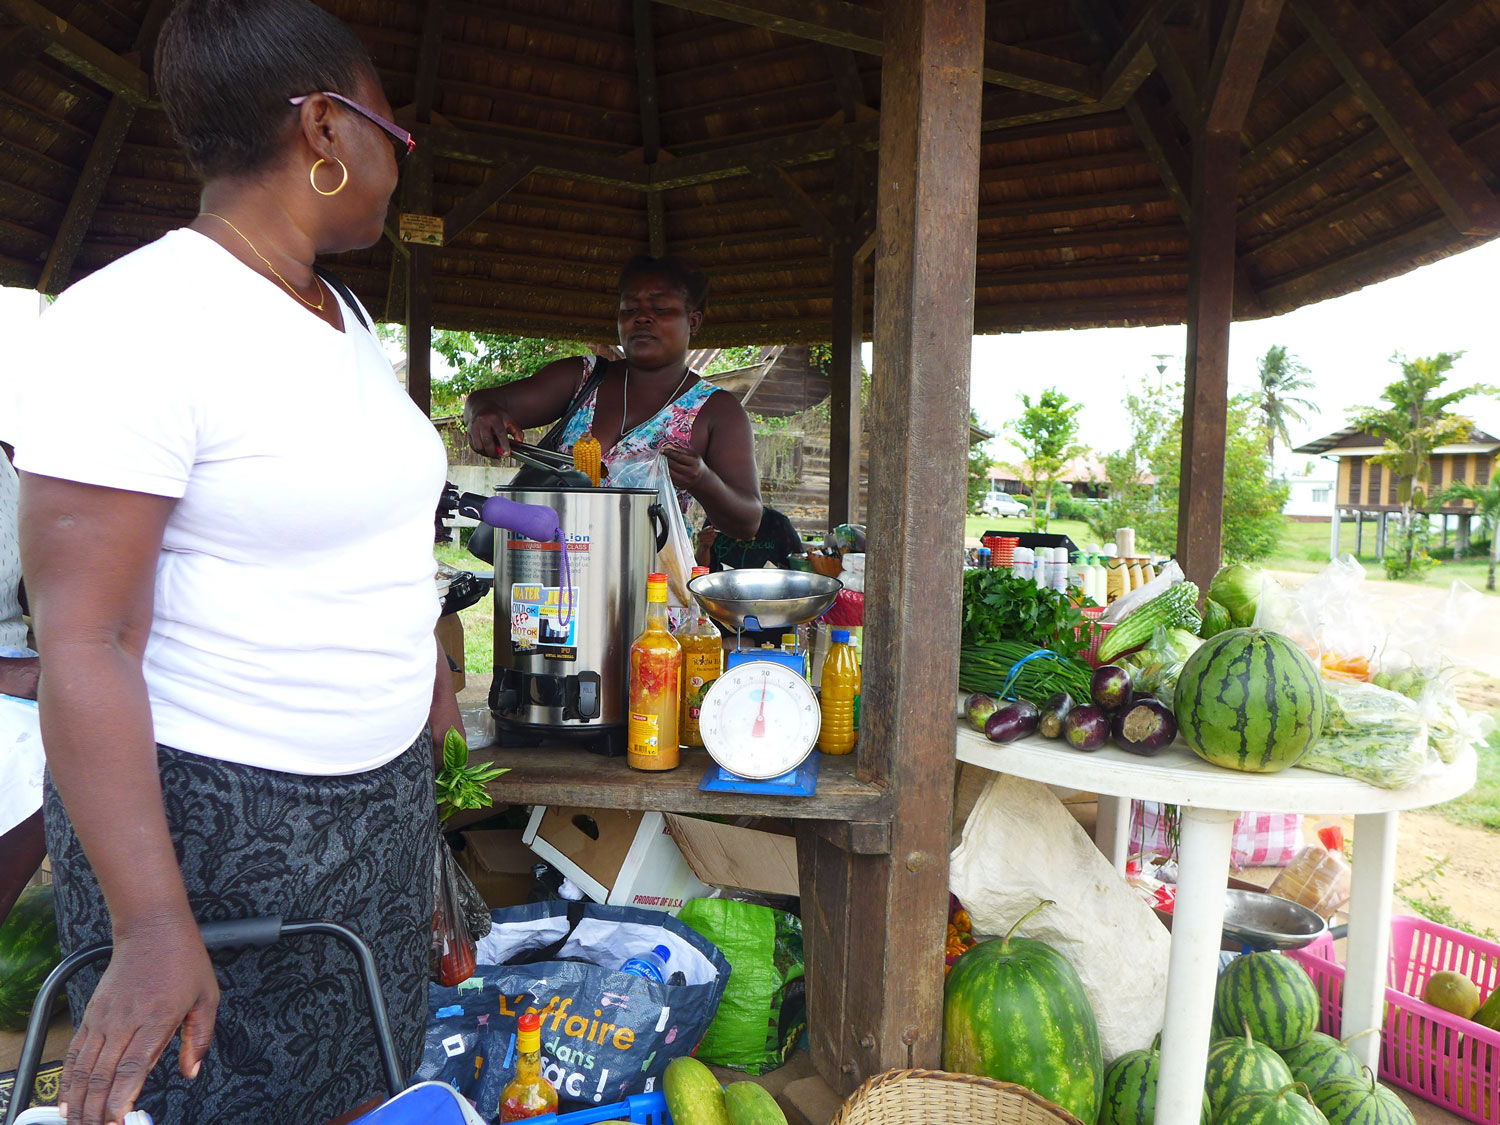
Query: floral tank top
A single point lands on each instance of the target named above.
(672, 424)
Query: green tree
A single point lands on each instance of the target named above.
(1486, 500)
(1416, 418)
(980, 463)
(730, 359)
(1281, 375)
(1044, 434)
(483, 359)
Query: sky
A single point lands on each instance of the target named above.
(1346, 343)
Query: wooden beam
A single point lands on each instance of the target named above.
(845, 380)
(498, 184)
(429, 54)
(1430, 235)
(417, 196)
(1134, 56)
(785, 191)
(79, 53)
(645, 80)
(1020, 69)
(18, 46)
(844, 70)
(1238, 60)
(104, 150)
(656, 224)
(1406, 117)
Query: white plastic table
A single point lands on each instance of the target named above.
(1211, 799)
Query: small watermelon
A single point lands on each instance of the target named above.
(1320, 1057)
(28, 952)
(1015, 1010)
(1241, 1066)
(1249, 699)
(1270, 996)
(1286, 1106)
(1360, 1101)
(1130, 1090)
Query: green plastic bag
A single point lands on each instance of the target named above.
(763, 1010)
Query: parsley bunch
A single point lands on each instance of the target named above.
(998, 606)
(460, 785)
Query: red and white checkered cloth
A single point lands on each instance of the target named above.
(1260, 839)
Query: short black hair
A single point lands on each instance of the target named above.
(693, 283)
(225, 69)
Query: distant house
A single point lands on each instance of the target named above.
(1309, 499)
(1084, 476)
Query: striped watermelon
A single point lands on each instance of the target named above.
(28, 952)
(1286, 1106)
(1015, 1010)
(1360, 1101)
(1249, 699)
(1320, 1057)
(1270, 996)
(1129, 1096)
(1241, 1066)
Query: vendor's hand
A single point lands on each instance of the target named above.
(491, 432)
(19, 676)
(686, 467)
(159, 979)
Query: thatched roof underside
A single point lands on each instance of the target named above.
(622, 125)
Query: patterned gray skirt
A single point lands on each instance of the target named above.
(292, 1040)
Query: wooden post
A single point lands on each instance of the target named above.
(875, 988)
(844, 384)
(417, 197)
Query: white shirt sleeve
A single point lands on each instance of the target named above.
(106, 400)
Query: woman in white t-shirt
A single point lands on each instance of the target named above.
(239, 675)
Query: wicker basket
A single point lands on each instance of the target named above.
(935, 1097)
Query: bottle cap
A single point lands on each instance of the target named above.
(656, 588)
(697, 570)
(663, 952)
(788, 638)
(841, 636)
(529, 1033)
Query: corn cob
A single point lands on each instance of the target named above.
(586, 457)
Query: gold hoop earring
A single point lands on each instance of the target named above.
(312, 176)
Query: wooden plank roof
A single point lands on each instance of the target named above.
(570, 134)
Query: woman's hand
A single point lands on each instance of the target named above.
(491, 431)
(686, 467)
(159, 980)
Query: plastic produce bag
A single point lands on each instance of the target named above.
(764, 1007)
(649, 470)
(1155, 668)
(1369, 733)
(1168, 576)
(459, 919)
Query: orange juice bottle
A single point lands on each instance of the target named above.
(702, 664)
(655, 686)
(529, 1094)
(839, 697)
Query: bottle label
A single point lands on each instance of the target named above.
(856, 711)
(643, 735)
(700, 669)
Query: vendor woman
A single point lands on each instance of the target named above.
(650, 402)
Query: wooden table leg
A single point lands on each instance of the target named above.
(1197, 931)
(1366, 969)
(1112, 830)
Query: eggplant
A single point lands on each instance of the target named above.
(1051, 723)
(1110, 688)
(977, 709)
(1146, 727)
(1086, 727)
(1012, 721)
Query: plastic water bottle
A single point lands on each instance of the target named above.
(652, 965)
(48, 1115)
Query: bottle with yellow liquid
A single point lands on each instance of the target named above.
(839, 697)
(702, 664)
(529, 1094)
(655, 687)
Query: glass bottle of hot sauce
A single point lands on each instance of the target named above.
(702, 664)
(655, 686)
(529, 1094)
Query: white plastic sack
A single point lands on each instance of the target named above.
(21, 761)
(1019, 846)
(1168, 576)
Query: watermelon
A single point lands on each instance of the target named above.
(1129, 1096)
(1015, 1010)
(1360, 1101)
(28, 952)
(1270, 996)
(1286, 1106)
(1249, 699)
(1320, 1057)
(1241, 1066)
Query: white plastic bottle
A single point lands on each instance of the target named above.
(651, 965)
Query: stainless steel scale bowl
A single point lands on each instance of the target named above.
(1265, 921)
(758, 600)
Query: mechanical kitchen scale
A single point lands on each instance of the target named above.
(760, 719)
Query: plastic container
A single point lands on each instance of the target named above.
(838, 699)
(1449, 1061)
(652, 964)
(641, 1109)
(702, 664)
(1318, 875)
(48, 1115)
(655, 687)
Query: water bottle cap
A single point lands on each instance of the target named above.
(663, 952)
(841, 636)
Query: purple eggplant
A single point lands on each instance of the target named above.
(1146, 727)
(977, 709)
(1110, 688)
(1086, 727)
(1012, 721)
(1051, 723)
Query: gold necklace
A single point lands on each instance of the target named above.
(625, 404)
(322, 296)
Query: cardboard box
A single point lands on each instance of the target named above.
(723, 855)
(618, 856)
(450, 634)
(499, 864)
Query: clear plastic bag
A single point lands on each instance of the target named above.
(1155, 668)
(1371, 734)
(459, 919)
(675, 559)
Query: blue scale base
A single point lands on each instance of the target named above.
(799, 782)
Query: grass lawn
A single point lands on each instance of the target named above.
(479, 619)
(1304, 547)
(1480, 805)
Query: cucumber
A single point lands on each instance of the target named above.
(694, 1096)
(749, 1104)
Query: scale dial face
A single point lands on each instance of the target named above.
(760, 719)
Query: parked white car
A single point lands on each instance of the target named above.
(1003, 504)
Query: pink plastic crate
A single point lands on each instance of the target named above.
(1452, 1062)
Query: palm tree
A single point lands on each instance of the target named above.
(1282, 374)
(1486, 500)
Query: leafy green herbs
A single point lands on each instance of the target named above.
(460, 785)
(998, 606)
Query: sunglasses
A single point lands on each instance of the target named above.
(402, 141)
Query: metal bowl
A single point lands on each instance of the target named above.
(764, 599)
(1266, 921)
